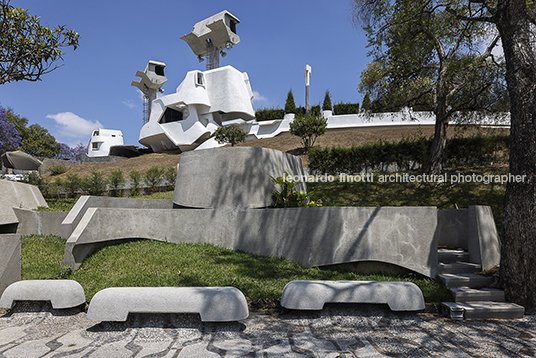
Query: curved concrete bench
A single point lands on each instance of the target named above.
(60, 293)
(214, 304)
(312, 295)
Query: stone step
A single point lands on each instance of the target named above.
(466, 294)
(448, 256)
(465, 280)
(459, 267)
(482, 310)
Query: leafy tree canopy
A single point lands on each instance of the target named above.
(29, 50)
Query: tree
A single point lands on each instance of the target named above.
(428, 55)
(326, 105)
(9, 136)
(366, 102)
(290, 105)
(27, 49)
(308, 127)
(231, 135)
(35, 140)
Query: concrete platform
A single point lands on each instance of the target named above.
(465, 280)
(214, 304)
(61, 293)
(483, 310)
(312, 295)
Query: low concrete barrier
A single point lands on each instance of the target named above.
(312, 295)
(10, 260)
(61, 293)
(85, 202)
(233, 177)
(214, 304)
(319, 236)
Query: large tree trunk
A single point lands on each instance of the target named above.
(439, 142)
(518, 242)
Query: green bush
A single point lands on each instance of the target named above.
(117, 180)
(230, 135)
(170, 176)
(72, 184)
(57, 169)
(153, 178)
(326, 105)
(96, 184)
(268, 114)
(290, 105)
(288, 196)
(408, 154)
(346, 108)
(135, 183)
(308, 128)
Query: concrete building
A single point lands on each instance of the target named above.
(101, 140)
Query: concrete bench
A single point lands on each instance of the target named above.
(214, 304)
(312, 295)
(61, 293)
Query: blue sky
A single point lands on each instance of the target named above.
(278, 38)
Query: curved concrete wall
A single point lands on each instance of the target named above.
(18, 195)
(404, 236)
(232, 177)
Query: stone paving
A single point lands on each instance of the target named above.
(337, 331)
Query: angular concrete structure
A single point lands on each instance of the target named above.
(39, 222)
(10, 260)
(232, 177)
(403, 236)
(18, 195)
(214, 304)
(312, 295)
(61, 293)
(472, 229)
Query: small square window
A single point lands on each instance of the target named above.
(95, 146)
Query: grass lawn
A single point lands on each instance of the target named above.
(151, 263)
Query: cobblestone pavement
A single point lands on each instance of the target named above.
(337, 331)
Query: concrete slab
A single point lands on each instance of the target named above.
(61, 293)
(403, 236)
(232, 176)
(214, 304)
(483, 310)
(10, 260)
(312, 295)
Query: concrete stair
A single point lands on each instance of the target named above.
(473, 299)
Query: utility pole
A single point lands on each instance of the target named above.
(307, 74)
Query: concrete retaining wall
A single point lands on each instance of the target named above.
(404, 236)
(10, 260)
(86, 202)
(232, 177)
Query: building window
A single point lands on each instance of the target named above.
(199, 80)
(95, 146)
(171, 115)
(159, 70)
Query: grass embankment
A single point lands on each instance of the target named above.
(148, 263)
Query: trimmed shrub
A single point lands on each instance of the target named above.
(290, 105)
(117, 179)
(268, 114)
(326, 105)
(57, 169)
(96, 184)
(170, 176)
(308, 128)
(230, 135)
(346, 108)
(135, 182)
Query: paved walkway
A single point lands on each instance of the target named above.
(338, 331)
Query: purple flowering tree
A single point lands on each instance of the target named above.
(69, 153)
(9, 136)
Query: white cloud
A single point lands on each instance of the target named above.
(129, 103)
(72, 129)
(257, 97)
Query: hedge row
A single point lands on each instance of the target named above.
(407, 154)
(346, 108)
